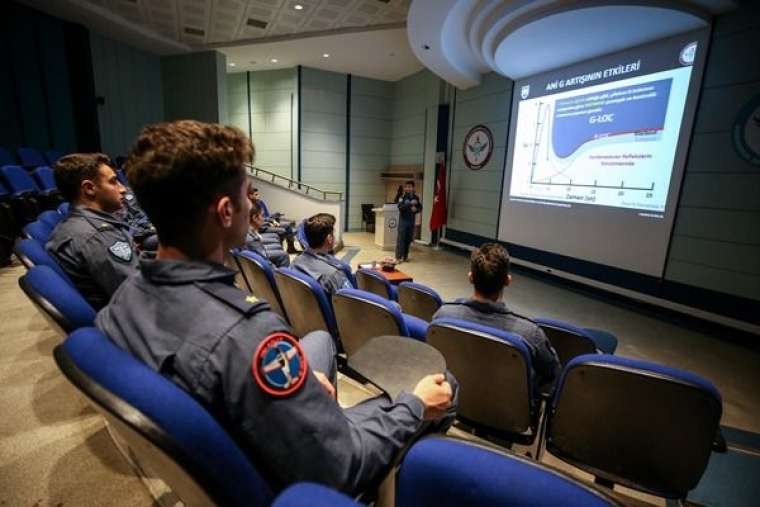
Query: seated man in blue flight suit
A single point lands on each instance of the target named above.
(489, 274)
(273, 224)
(254, 241)
(318, 261)
(92, 244)
(183, 317)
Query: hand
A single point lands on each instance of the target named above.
(325, 383)
(414, 209)
(435, 394)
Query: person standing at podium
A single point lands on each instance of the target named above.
(409, 205)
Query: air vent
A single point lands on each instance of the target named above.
(256, 23)
(194, 31)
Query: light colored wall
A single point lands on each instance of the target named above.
(130, 81)
(716, 240)
(370, 144)
(474, 196)
(193, 86)
(323, 129)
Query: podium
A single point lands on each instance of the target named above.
(386, 226)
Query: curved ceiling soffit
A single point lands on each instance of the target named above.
(503, 17)
(476, 28)
(455, 41)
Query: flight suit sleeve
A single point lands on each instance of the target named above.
(419, 204)
(109, 260)
(306, 436)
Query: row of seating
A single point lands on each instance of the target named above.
(29, 157)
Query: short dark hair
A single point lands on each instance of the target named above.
(317, 228)
(178, 169)
(70, 171)
(410, 182)
(489, 266)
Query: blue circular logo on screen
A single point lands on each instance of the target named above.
(746, 132)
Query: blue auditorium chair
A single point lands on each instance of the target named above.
(371, 281)
(38, 231)
(494, 370)
(418, 300)
(444, 472)
(305, 303)
(7, 158)
(51, 218)
(571, 341)
(638, 424)
(55, 298)
(8, 226)
(259, 275)
(301, 236)
(122, 177)
(30, 157)
(309, 494)
(45, 179)
(63, 208)
(23, 193)
(362, 315)
(52, 157)
(166, 429)
(31, 253)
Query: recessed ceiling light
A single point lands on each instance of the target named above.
(325, 55)
(298, 7)
(231, 64)
(274, 60)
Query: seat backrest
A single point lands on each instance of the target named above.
(568, 340)
(260, 276)
(51, 218)
(63, 208)
(168, 430)
(418, 300)
(59, 302)
(7, 158)
(52, 156)
(479, 475)
(305, 303)
(494, 370)
(38, 231)
(301, 235)
(309, 494)
(44, 178)
(30, 157)
(31, 253)
(18, 180)
(371, 281)
(122, 177)
(639, 424)
(362, 315)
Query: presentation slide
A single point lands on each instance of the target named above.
(597, 152)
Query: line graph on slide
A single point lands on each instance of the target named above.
(611, 144)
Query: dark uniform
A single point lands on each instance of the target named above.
(326, 269)
(496, 314)
(188, 322)
(275, 253)
(96, 250)
(140, 226)
(406, 223)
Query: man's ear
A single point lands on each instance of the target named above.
(87, 188)
(507, 280)
(225, 210)
(469, 276)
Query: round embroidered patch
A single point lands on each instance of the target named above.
(279, 365)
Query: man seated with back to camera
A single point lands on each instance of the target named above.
(318, 260)
(489, 274)
(254, 242)
(92, 245)
(183, 317)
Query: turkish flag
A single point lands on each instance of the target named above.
(438, 215)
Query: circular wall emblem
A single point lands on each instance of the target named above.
(746, 132)
(478, 147)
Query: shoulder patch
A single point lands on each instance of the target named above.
(121, 250)
(279, 365)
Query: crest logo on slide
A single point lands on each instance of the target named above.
(688, 53)
(525, 91)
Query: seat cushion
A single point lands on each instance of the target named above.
(604, 340)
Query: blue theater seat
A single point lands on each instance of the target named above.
(59, 302)
(31, 253)
(63, 208)
(8, 225)
(371, 281)
(51, 218)
(52, 156)
(634, 423)
(122, 177)
(305, 303)
(38, 231)
(45, 179)
(301, 236)
(571, 341)
(494, 370)
(362, 315)
(7, 158)
(165, 427)
(308, 494)
(22, 193)
(30, 157)
(418, 300)
(259, 275)
(443, 472)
